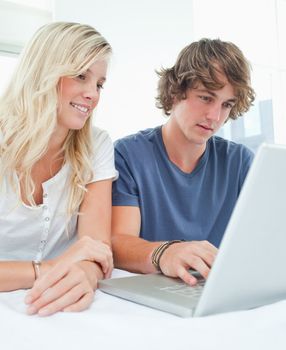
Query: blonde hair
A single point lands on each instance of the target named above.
(28, 108)
(201, 61)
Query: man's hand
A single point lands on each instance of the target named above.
(180, 257)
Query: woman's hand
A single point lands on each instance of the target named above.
(65, 287)
(67, 283)
(89, 249)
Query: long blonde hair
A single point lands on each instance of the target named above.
(28, 108)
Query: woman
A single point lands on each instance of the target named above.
(55, 171)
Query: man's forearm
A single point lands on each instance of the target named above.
(133, 253)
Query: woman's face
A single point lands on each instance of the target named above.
(79, 96)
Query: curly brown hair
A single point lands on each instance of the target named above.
(201, 61)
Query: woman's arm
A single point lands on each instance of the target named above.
(95, 217)
(69, 285)
(19, 274)
(95, 212)
(16, 275)
(94, 228)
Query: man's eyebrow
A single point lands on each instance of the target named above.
(212, 93)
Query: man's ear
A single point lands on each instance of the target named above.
(175, 101)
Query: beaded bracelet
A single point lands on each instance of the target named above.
(158, 252)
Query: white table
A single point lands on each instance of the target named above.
(112, 323)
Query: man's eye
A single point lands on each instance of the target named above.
(228, 105)
(100, 86)
(205, 98)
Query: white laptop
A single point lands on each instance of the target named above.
(249, 270)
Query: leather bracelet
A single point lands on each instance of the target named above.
(36, 266)
(158, 252)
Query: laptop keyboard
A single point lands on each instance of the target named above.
(186, 290)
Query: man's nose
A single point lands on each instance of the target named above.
(214, 112)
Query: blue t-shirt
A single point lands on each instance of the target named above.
(175, 204)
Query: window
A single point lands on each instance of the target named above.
(258, 28)
(27, 14)
(7, 65)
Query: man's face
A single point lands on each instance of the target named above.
(202, 113)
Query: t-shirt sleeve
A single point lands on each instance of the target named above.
(103, 159)
(124, 190)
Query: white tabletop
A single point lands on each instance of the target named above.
(113, 323)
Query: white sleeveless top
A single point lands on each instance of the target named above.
(28, 233)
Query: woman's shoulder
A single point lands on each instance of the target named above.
(100, 137)
(101, 142)
(99, 134)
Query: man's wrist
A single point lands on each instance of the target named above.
(158, 252)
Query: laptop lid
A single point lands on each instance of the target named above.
(249, 269)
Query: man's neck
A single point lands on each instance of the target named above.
(183, 153)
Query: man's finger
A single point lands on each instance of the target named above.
(184, 275)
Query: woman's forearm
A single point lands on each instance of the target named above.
(20, 274)
(16, 275)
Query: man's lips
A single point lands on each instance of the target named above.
(206, 127)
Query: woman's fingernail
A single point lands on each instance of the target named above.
(44, 312)
(28, 299)
(31, 310)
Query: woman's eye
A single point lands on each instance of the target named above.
(81, 77)
(100, 86)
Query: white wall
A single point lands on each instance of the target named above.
(145, 35)
(18, 23)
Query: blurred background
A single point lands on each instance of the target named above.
(147, 35)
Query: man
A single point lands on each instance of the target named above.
(178, 183)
